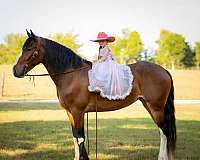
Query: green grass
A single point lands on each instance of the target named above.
(43, 132)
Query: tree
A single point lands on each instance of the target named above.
(118, 49)
(162, 58)
(68, 39)
(171, 48)
(189, 56)
(11, 47)
(134, 46)
(15, 41)
(197, 54)
(4, 54)
(128, 46)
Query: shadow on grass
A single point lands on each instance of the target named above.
(123, 139)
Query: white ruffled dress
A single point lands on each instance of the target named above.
(112, 80)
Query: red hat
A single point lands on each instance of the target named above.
(103, 36)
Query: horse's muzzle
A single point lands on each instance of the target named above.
(19, 72)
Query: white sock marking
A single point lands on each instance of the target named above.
(163, 147)
(80, 140)
(76, 147)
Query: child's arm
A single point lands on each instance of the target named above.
(105, 55)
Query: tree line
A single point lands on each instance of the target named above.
(173, 51)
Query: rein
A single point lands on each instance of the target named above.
(55, 74)
(96, 128)
(96, 125)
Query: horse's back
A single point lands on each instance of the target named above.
(149, 71)
(153, 80)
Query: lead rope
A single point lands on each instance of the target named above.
(96, 124)
(88, 142)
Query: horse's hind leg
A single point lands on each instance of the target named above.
(163, 116)
(158, 118)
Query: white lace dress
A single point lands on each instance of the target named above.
(112, 80)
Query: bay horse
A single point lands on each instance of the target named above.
(152, 85)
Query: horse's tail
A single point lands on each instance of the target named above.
(169, 127)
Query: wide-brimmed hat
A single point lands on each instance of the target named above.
(103, 36)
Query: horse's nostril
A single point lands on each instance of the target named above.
(19, 73)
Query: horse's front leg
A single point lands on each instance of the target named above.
(77, 122)
(79, 139)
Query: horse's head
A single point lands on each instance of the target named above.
(32, 55)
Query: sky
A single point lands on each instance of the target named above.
(88, 17)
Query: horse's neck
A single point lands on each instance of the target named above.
(62, 64)
(50, 72)
(65, 77)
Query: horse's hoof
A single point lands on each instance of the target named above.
(162, 158)
(84, 158)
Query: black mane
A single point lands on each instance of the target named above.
(60, 58)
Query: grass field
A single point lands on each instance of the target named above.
(42, 132)
(186, 84)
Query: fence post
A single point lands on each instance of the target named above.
(3, 85)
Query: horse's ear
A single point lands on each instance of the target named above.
(32, 34)
(29, 35)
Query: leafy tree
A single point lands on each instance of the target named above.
(11, 47)
(4, 54)
(171, 48)
(68, 39)
(189, 56)
(15, 41)
(197, 54)
(134, 46)
(128, 46)
(118, 49)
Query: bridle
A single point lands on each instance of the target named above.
(34, 54)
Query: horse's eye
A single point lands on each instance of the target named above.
(29, 49)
